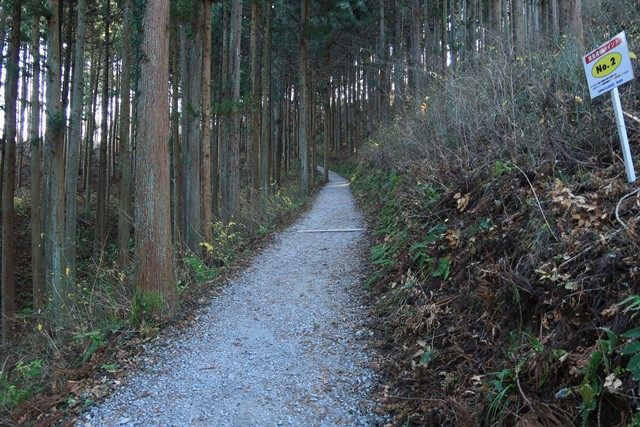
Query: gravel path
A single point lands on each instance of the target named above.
(285, 344)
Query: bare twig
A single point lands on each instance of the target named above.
(524, 396)
(625, 197)
(539, 204)
(631, 116)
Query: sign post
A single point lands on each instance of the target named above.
(606, 68)
(624, 139)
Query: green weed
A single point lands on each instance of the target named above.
(500, 168)
(592, 384)
(383, 255)
(23, 384)
(632, 349)
(199, 269)
(419, 255)
(442, 269)
(111, 367)
(145, 304)
(96, 339)
(500, 389)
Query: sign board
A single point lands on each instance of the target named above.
(608, 66)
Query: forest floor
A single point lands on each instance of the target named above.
(287, 342)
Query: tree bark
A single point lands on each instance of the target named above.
(192, 107)
(517, 13)
(544, 17)
(9, 181)
(55, 279)
(470, 19)
(66, 52)
(265, 139)
(175, 139)
(572, 19)
(124, 161)
(215, 139)
(230, 162)
(326, 135)
(103, 173)
(36, 173)
(496, 17)
(24, 82)
(398, 61)
(3, 35)
(91, 127)
(382, 58)
(185, 120)
(225, 96)
(255, 104)
(75, 141)
(554, 19)
(155, 278)
(205, 144)
(303, 111)
(415, 41)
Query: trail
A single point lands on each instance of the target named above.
(285, 344)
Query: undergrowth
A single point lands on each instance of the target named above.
(506, 283)
(44, 375)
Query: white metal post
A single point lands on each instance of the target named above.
(624, 140)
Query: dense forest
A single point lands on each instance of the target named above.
(147, 144)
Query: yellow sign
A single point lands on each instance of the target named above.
(606, 65)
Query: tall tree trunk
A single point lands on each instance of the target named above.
(230, 165)
(75, 141)
(91, 129)
(544, 17)
(67, 50)
(103, 177)
(124, 190)
(55, 281)
(175, 139)
(444, 32)
(470, 19)
(192, 132)
(205, 145)
(304, 98)
(155, 276)
(572, 19)
(554, 19)
(415, 50)
(9, 181)
(36, 172)
(517, 13)
(312, 127)
(223, 127)
(326, 96)
(454, 10)
(265, 139)
(255, 104)
(398, 60)
(382, 57)
(279, 134)
(20, 136)
(496, 17)
(3, 35)
(215, 139)
(235, 65)
(185, 123)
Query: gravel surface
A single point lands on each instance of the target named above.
(286, 343)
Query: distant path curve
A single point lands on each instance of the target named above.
(285, 344)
